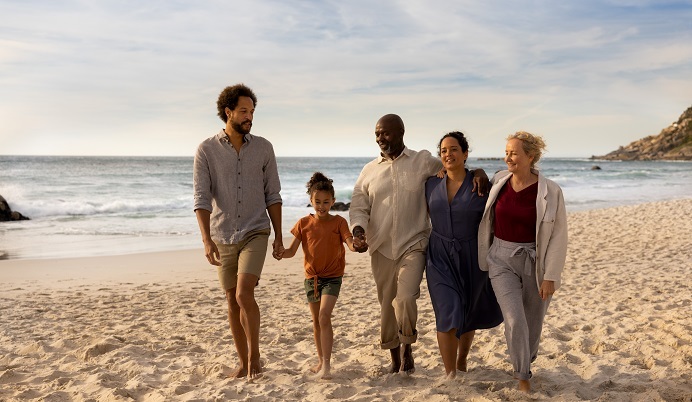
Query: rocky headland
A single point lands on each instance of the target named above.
(672, 143)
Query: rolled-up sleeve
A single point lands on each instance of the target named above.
(272, 185)
(201, 179)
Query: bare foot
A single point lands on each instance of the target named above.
(408, 365)
(317, 368)
(396, 359)
(325, 373)
(461, 364)
(240, 372)
(255, 370)
(524, 386)
(452, 375)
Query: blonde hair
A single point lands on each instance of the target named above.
(532, 144)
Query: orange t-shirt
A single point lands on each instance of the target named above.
(323, 245)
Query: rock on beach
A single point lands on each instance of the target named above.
(7, 214)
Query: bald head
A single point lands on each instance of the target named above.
(393, 120)
(389, 135)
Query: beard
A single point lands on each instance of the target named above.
(389, 148)
(386, 148)
(241, 127)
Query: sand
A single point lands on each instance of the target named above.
(152, 327)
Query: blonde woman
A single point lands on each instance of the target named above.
(522, 243)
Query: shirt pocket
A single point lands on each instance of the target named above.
(550, 214)
(545, 231)
(410, 182)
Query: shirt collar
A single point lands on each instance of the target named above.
(383, 158)
(221, 136)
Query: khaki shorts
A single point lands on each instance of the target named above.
(246, 257)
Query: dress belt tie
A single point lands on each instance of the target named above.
(455, 243)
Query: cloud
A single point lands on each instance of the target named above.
(148, 73)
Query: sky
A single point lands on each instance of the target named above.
(142, 77)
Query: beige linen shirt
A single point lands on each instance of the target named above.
(389, 201)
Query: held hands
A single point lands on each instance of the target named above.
(360, 243)
(547, 289)
(278, 251)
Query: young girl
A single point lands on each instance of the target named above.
(322, 236)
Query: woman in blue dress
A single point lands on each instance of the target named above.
(461, 294)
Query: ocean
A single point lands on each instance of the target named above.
(94, 206)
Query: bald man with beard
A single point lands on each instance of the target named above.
(389, 219)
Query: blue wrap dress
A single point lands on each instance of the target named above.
(461, 293)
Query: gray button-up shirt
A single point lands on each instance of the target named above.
(236, 187)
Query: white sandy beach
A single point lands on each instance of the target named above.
(152, 327)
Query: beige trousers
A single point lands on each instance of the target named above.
(398, 287)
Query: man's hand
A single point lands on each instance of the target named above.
(360, 243)
(480, 182)
(211, 251)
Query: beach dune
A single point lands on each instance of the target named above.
(152, 327)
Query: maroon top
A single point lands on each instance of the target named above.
(515, 214)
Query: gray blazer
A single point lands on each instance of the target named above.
(551, 228)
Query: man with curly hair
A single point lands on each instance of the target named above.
(236, 185)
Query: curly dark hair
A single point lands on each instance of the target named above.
(459, 136)
(228, 98)
(319, 182)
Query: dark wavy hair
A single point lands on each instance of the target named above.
(319, 182)
(228, 98)
(459, 136)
